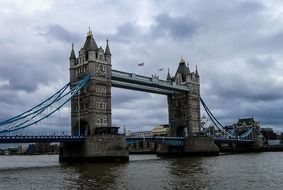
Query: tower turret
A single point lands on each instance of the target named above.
(72, 55)
(90, 47)
(73, 62)
(197, 75)
(107, 53)
(168, 76)
(182, 71)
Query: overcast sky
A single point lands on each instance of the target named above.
(236, 44)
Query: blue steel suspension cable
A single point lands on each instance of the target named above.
(27, 113)
(211, 116)
(74, 90)
(35, 113)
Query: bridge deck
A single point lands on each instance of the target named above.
(152, 84)
(236, 141)
(40, 139)
(175, 141)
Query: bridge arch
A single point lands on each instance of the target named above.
(81, 128)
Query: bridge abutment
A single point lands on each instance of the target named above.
(193, 146)
(100, 148)
(200, 145)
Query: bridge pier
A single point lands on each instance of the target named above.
(193, 146)
(234, 147)
(100, 148)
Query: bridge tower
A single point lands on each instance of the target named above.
(184, 108)
(91, 108)
(184, 114)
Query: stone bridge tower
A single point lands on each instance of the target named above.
(184, 108)
(91, 108)
(184, 116)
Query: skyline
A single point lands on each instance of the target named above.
(235, 45)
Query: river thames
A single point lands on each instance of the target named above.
(231, 171)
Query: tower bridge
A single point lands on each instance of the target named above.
(91, 109)
(93, 138)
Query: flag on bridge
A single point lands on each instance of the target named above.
(161, 69)
(141, 64)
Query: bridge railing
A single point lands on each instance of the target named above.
(175, 141)
(42, 138)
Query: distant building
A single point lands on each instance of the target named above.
(208, 128)
(244, 124)
(268, 133)
(161, 130)
(139, 134)
(247, 122)
(22, 148)
(147, 147)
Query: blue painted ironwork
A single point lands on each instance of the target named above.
(174, 141)
(179, 141)
(147, 84)
(40, 139)
(248, 135)
(44, 109)
(235, 141)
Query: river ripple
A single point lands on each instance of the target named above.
(234, 171)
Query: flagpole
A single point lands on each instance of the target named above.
(142, 71)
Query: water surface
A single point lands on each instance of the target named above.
(234, 171)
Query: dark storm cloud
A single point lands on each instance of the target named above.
(250, 80)
(176, 27)
(26, 74)
(20, 77)
(164, 26)
(58, 32)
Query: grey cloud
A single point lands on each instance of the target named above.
(164, 26)
(138, 111)
(175, 27)
(57, 32)
(20, 78)
(25, 77)
(125, 33)
(123, 97)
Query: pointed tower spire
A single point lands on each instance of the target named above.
(197, 71)
(168, 76)
(107, 49)
(73, 55)
(182, 70)
(182, 60)
(90, 44)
